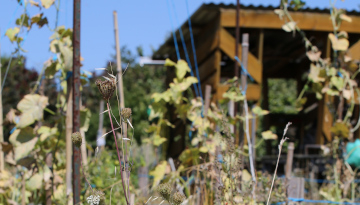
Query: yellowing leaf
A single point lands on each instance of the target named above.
(246, 176)
(181, 69)
(32, 108)
(288, 27)
(259, 112)
(24, 149)
(340, 129)
(47, 3)
(338, 44)
(158, 173)
(337, 82)
(313, 56)
(169, 62)
(314, 74)
(46, 132)
(203, 149)
(268, 135)
(345, 17)
(35, 182)
(20, 136)
(11, 33)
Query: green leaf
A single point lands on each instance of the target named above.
(39, 20)
(158, 173)
(32, 108)
(11, 33)
(47, 3)
(24, 20)
(158, 140)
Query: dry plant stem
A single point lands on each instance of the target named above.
(118, 153)
(82, 167)
(277, 163)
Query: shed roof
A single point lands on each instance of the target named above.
(208, 12)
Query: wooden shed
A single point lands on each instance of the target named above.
(274, 54)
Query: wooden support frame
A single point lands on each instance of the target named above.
(227, 45)
(267, 19)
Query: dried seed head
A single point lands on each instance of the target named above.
(76, 139)
(106, 88)
(97, 197)
(165, 191)
(178, 198)
(126, 113)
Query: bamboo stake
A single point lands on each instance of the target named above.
(100, 142)
(121, 93)
(83, 148)
(2, 165)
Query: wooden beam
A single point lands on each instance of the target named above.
(354, 51)
(270, 20)
(227, 45)
(261, 45)
(210, 65)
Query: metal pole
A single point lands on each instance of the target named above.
(76, 100)
(1, 121)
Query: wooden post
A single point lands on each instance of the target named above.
(2, 164)
(207, 99)
(289, 160)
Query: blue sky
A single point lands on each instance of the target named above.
(141, 22)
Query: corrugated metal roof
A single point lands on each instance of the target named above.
(207, 13)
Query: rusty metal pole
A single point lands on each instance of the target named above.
(76, 100)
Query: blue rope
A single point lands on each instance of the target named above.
(195, 59)
(12, 17)
(185, 49)
(243, 70)
(173, 32)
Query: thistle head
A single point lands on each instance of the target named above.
(165, 191)
(126, 113)
(106, 88)
(178, 198)
(76, 139)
